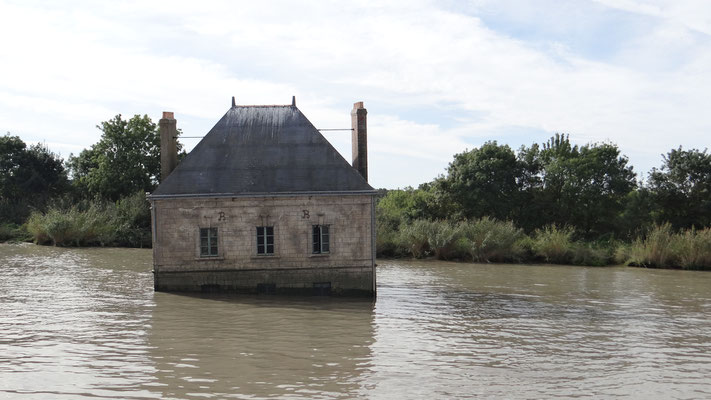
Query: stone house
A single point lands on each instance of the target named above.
(264, 204)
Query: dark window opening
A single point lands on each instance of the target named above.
(265, 240)
(321, 242)
(208, 242)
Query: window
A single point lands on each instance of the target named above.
(265, 240)
(320, 239)
(208, 242)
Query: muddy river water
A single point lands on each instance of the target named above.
(86, 324)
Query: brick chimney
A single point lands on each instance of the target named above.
(359, 141)
(168, 144)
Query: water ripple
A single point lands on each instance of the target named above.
(85, 323)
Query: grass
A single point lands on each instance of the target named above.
(489, 240)
(10, 232)
(553, 244)
(483, 240)
(694, 249)
(661, 247)
(125, 223)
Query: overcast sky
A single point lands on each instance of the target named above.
(437, 77)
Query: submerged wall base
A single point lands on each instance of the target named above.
(348, 281)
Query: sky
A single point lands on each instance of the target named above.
(437, 77)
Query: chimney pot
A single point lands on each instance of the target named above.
(168, 115)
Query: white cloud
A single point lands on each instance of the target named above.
(435, 81)
(693, 14)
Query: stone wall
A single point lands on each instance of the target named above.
(348, 267)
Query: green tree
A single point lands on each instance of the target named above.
(681, 189)
(13, 154)
(585, 186)
(403, 206)
(125, 160)
(483, 182)
(637, 217)
(529, 213)
(29, 176)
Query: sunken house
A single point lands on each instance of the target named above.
(264, 204)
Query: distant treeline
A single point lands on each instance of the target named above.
(555, 202)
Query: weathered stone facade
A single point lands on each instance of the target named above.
(348, 268)
(264, 203)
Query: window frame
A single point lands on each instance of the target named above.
(263, 240)
(212, 237)
(318, 244)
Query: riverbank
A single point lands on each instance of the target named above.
(487, 240)
(124, 223)
(14, 233)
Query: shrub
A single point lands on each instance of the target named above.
(36, 228)
(60, 227)
(415, 237)
(387, 241)
(489, 240)
(97, 224)
(659, 248)
(124, 223)
(525, 248)
(6, 232)
(483, 240)
(695, 249)
(133, 221)
(9, 231)
(461, 248)
(554, 244)
(442, 236)
(589, 254)
(622, 254)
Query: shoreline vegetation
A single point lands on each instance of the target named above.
(555, 202)
(490, 241)
(485, 240)
(124, 223)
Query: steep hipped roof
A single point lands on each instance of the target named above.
(261, 150)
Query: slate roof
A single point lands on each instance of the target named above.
(261, 150)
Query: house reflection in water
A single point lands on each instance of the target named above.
(260, 347)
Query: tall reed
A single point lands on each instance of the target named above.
(695, 249)
(554, 244)
(658, 249)
(125, 223)
(415, 236)
(490, 240)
